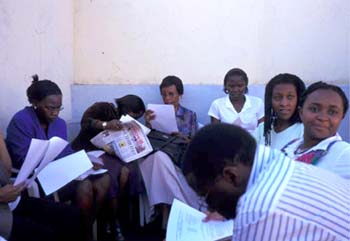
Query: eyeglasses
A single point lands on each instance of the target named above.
(54, 108)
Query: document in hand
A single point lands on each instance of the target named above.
(186, 224)
(128, 144)
(52, 175)
(165, 120)
(64, 170)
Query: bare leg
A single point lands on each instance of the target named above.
(84, 200)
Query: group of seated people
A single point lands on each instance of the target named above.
(223, 166)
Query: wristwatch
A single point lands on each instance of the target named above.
(104, 125)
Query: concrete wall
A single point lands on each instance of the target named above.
(196, 97)
(118, 47)
(139, 42)
(36, 36)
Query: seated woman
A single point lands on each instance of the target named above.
(282, 123)
(163, 180)
(322, 108)
(41, 121)
(33, 218)
(237, 107)
(105, 116)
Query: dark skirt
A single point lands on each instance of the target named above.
(114, 165)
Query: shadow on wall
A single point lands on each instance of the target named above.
(196, 97)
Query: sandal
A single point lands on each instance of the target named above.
(119, 235)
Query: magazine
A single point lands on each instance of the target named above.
(128, 144)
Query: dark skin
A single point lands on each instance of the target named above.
(87, 192)
(9, 192)
(235, 87)
(321, 114)
(48, 109)
(225, 191)
(170, 96)
(284, 103)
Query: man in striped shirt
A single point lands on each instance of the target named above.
(270, 196)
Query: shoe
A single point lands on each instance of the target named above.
(119, 234)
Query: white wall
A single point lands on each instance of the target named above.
(132, 42)
(36, 36)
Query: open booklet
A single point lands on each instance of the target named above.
(186, 224)
(129, 143)
(52, 175)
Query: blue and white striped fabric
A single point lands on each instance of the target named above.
(288, 200)
(336, 159)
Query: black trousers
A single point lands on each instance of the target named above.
(39, 219)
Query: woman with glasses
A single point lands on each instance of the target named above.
(164, 180)
(41, 121)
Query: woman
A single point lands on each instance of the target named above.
(105, 116)
(171, 90)
(33, 218)
(41, 121)
(237, 107)
(282, 123)
(163, 180)
(322, 108)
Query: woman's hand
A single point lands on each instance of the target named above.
(9, 193)
(96, 166)
(213, 216)
(114, 124)
(149, 115)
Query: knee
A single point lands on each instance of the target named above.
(124, 173)
(102, 185)
(85, 194)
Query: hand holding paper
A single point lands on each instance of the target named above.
(165, 119)
(186, 224)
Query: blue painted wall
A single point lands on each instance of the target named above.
(196, 97)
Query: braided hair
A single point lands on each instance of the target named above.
(269, 113)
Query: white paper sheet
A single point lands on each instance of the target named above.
(186, 224)
(165, 119)
(126, 118)
(34, 155)
(56, 146)
(94, 157)
(62, 171)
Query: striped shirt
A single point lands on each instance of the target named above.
(288, 200)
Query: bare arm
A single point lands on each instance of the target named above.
(149, 115)
(262, 119)
(5, 158)
(214, 120)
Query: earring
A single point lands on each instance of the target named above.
(35, 107)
